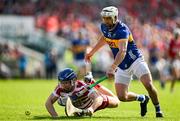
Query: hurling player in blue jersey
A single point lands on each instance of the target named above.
(128, 60)
(79, 47)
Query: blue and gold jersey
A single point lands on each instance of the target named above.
(121, 31)
(80, 46)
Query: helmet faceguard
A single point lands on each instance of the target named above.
(67, 76)
(110, 11)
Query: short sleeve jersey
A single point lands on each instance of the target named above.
(121, 31)
(79, 85)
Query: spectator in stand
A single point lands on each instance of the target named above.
(50, 64)
(4, 69)
(163, 67)
(153, 57)
(22, 65)
(174, 54)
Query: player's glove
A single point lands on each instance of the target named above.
(88, 78)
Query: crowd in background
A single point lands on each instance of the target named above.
(154, 24)
(10, 59)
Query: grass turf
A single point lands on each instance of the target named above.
(18, 96)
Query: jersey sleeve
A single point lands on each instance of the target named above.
(80, 84)
(123, 34)
(57, 91)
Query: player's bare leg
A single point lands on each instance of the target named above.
(97, 102)
(148, 84)
(125, 96)
(81, 72)
(172, 85)
(176, 75)
(113, 102)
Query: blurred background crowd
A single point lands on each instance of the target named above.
(40, 37)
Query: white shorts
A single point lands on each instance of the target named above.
(176, 64)
(138, 68)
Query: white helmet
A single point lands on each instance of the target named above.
(110, 11)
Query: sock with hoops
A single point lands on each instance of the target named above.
(140, 98)
(157, 108)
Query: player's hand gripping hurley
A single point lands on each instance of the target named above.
(70, 110)
(79, 94)
(91, 86)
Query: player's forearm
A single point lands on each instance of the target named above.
(122, 45)
(119, 58)
(100, 43)
(105, 91)
(50, 109)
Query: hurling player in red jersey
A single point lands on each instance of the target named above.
(90, 101)
(174, 54)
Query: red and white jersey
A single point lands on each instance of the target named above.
(174, 48)
(79, 85)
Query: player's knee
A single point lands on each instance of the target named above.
(99, 100)
(113, 104)
(116, 103)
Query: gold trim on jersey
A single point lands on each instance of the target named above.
(113, 43)
(130, 38)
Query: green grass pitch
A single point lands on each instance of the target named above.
(18, 96)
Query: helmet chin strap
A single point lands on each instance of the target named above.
(113, 18)
(73, 84)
